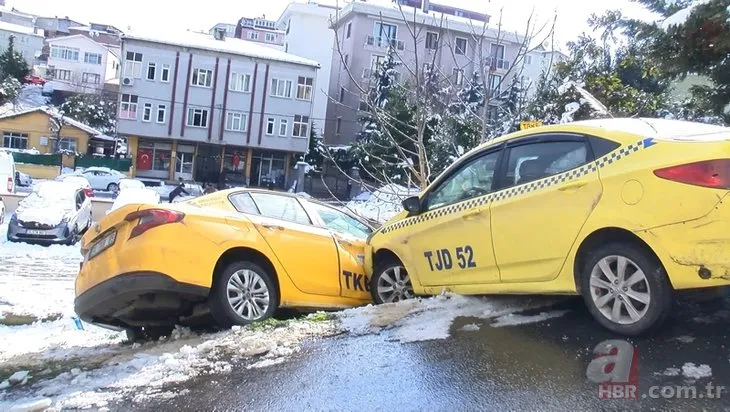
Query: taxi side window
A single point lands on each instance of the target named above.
(281, 207)
(243, 203)
(535, 161)
(474, 179)
(341, 222)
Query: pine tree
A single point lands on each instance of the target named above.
(314, 155)
(12, 63)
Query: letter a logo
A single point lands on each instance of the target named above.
(613, 362)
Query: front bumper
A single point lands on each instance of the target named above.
(58, 234)
(138, 299)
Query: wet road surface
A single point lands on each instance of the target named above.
(538, 366)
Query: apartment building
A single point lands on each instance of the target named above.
(56, 26)
(14, 16)
(193, 105)
(79, 64)
(260, 30)
(450, 40)
(26, 40)
(541, 59)
(303, 22)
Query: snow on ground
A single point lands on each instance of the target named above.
(430, 319)
(513, 319)
(692, 371)
(381, 204)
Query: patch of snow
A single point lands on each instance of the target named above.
(684, 339)
(382, 204)
(48, 204)
(680, 17)
(134, 195)
(266, 363)
(416, 320)
(516, 319)
(470, 327)
(692, 371)
(671, 372)
(36, 405)
(18, 377)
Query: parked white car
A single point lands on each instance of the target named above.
(100, 178)
(54, 212)
(7, 172)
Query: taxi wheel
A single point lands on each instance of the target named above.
(73, 237)
(390, 283)
(243, 293)
(626, 289)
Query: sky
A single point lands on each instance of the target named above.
(178, 15)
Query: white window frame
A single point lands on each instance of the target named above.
(69, 144)
(240, 82)
(147, 112)
(153, 66)
(270, 126)
(131, 102)
(301, 124)
(269, 37)
(65, 53)
(15, 136)
(231, 118)
(198, 74)
(430, 35)
(57, 75)
(204, 117)
(96, 61)
(161, 108)
(253, 35)
(275, 86)
(165, 73)
(283, 123)
(338, 125)
(133, 66)
(85, 78)
(305, 86)
(456, 46)
(458, 76)
(494, 87)
(528, 59)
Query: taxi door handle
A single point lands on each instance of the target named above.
(273, 227)
(572, 186)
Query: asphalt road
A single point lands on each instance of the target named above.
(538, 366)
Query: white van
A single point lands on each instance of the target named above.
(7, 172)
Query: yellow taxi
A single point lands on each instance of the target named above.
(621, 211)
(237, 254)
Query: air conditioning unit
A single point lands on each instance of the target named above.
(127, 81)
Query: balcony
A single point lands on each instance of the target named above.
(498, 64)
(384, 42)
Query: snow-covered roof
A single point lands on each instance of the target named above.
(55, 114)
(392, 10)
(63, 39)
(16, 28)
(205, 41)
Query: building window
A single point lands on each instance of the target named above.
(432, 40)
(165, 73)
(158, 156)
(301, 126)
(66, 144)
(385, 33)
(147, 112)
(92, 58)
(283, 127)
(92, 78)
(338, 126)
(528, 59)
(342, 94)
(161, 113)
(281, 88)
(270, 37)
(184, 163)
(304, 88)
(128, 107)
(270, 122)
(458, 77)
(64, 53)
(240, 82)
(151, 70)
(133, 65)
(61, 74)
(252, 35)
(495, 81)
(460, 46)
(197, 117)
(201, 77)
(349, 30)
(15, 140)
(236, 122)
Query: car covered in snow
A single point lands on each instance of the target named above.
(100, 178)
(237, 254)
(132, 195)
(621, 211)
(79, 181)
(54, 212)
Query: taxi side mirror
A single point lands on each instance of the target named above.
(412, 204)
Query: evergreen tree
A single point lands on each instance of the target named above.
(314, 155)
(95, 110)
(12, 63)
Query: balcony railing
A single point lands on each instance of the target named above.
(498, 64)
(384, 42)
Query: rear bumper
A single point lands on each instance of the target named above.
(60, 234)
(137, 299)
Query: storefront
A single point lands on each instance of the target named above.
(208, 164)
(234, 165)
(184, 161)
(268, 169)
(153, 159)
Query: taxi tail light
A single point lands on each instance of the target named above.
(708, 173)
(150, 218)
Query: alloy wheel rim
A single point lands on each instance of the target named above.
(620, 290)
(394, 285)
(248, 294)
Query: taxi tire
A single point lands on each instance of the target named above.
(221, 310)
(378, 270)
(661, 292)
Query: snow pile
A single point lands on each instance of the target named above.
(134, 195)
(141, 372)
(430, 319)
(131, 184)
(48, 204)
(692, 371)
(381, 204)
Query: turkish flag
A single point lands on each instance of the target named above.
(236, 160)
(144, 159)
